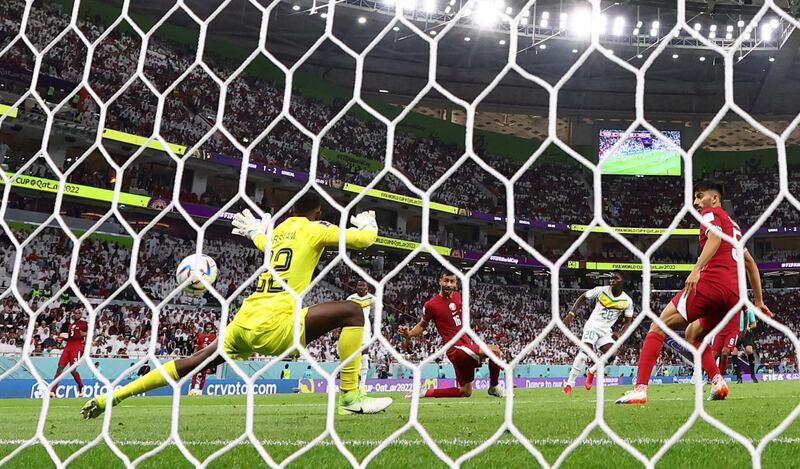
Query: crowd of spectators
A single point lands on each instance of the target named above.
(509, 315)
(551, 192)
(507, 310)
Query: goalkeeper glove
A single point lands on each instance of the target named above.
(365, 220)
(245, 224)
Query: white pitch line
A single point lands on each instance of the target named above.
(419, 442)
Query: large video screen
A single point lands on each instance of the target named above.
(640, 154)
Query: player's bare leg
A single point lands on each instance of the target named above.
(348, 316)
(651, 349)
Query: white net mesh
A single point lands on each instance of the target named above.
(218, 128)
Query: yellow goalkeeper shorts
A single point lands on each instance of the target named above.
(271, 337)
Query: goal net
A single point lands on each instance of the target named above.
(135, 147)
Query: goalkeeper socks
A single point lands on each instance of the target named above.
(494, 373)
(446, 392)
(707, 361)
(651, 349)
(150, 381)
(349, 343)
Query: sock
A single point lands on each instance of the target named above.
(494, 374)
(194, 382)
(202, 381)
(151, 380)
(707, 361)
(723, 364)
(349, 343)
(446, 392)
(736, 368)
(651, 349)
(577, 368)
(593, 369)
(362, 372)
(78, 380)
(751, 360)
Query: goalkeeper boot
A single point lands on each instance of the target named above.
(566, 389)
(719, 389)
(589, 380)
(356, 402)
(637, 395)
(497, 391)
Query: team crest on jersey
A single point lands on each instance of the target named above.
(609, 303)
(452, 306)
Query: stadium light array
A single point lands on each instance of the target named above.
(619, 25)
(772, 59)
(361, 20)
(702, 59)
(636, 32)
(774, 23)
(729, 28)
(712, 35)
(581, 21)
(296, 7)
(698, 27)
(740, 23)
(713, 27)
(653, 32)
(766, 32)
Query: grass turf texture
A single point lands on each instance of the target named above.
(550, 420)
(648, 164)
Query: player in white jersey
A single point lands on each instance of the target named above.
(365, 299)
(610, 302)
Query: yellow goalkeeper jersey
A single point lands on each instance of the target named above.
(297, 245)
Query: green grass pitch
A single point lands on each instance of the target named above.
(644, 164)
(550, 420)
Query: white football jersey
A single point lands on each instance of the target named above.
(365, 301)
(608, 307)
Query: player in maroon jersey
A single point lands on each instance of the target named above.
(204, 339)
(711, 291)
(444, 310)
(724, 343)
(74, 332)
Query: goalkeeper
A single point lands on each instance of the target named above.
(265, 322)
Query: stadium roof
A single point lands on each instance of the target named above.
(684, 82)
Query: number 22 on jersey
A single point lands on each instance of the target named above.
(281, 261)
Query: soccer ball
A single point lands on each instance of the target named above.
(193, 267)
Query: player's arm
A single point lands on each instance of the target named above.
(712, 245)
(245, 224)
(579, 302)
(361, 237)
(414, 331)
(627, 324)
(754, 277)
